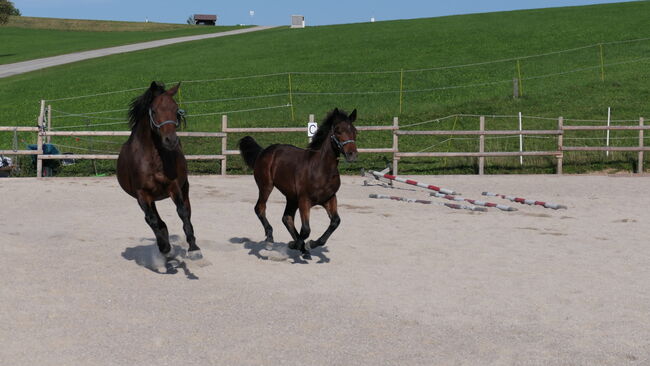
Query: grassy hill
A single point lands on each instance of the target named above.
(26, 38)
(361, 68)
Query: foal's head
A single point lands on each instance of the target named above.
(338, 130)
(344, 135)
(157, 105)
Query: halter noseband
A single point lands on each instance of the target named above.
(181, 115)
(340, 144)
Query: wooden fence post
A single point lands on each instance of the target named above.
(49, 123)
(481, 146)
(39, 152)
(560, 144)
(401, 92)
(224, 143)
(39, 141)
(520, 88)
(395, 144)
(639, 168)
(41, 115)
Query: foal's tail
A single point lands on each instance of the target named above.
(250, 150)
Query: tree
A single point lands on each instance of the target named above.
(7, 8)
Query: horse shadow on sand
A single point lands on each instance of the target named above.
(149, 257)
(279, 252)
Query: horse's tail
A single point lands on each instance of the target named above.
(250, 150)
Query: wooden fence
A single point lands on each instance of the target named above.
(481, 154)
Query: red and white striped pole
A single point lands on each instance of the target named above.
(413, 183)
(474, 202)
(525, 201)
(455, 206)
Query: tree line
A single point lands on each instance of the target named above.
(7, 8)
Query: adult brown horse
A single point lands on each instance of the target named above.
(307, 177)
(152, 167)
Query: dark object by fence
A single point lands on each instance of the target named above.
(49, 166)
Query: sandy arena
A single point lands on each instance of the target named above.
(398, 283)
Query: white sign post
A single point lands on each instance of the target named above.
(609, 119)
(312, 127)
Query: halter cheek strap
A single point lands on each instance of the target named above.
(340, 144)
(158, 125)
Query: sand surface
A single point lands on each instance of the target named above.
(398, 283)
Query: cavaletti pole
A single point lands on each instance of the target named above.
(474, 202)
(455, 206)
(413, 183)
(525, 201)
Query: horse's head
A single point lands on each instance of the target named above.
(165, 117)
(344, 135)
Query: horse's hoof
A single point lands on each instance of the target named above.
(171, 254)
(194, 255)
(313, 244)
(306, 256)
(171, 266)
(292, 245)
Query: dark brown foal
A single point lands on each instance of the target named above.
(306, 177)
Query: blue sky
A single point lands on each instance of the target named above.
(275, 12)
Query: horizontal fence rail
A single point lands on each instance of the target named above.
(394, 129)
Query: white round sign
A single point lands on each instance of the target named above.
(311, 129)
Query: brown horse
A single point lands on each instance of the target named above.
(152, 167)
(307, 177)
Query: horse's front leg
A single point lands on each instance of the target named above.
(181, 198)
(159, 228)
(288, 221)
(331, 208)
(304, 206)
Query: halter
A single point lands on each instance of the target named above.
(340, 144)
(181, 115)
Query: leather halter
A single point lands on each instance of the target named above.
(340, 144)
(181, 115)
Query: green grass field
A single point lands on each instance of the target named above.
(357, 57)
(26, 38)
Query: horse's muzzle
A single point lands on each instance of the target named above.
(170, 142)
(351, 156)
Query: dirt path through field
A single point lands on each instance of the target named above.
(41, 63)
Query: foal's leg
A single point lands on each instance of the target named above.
(182, 200)
(288, 221)
(304, 205)
(156, 223)
(260, 209)
(331, 208)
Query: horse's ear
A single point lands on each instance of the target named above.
(353, 116)
(335, 111)
(173, 90)
(156, 88)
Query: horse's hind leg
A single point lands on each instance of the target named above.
(331, 208)
(184, 209)
(260, 209)
(157, 225)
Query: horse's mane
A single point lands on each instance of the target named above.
(325, 127)
(139, 106)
